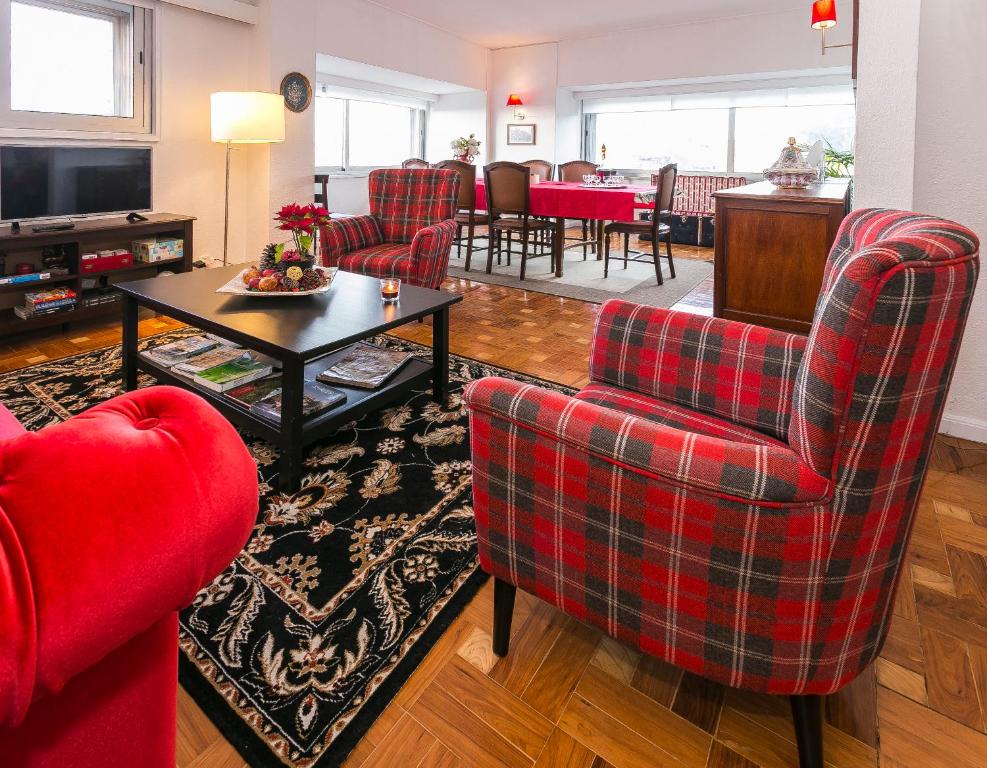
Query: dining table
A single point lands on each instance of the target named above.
(561, 200)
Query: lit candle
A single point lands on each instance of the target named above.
(390, 287)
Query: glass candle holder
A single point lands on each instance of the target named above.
(390, 289)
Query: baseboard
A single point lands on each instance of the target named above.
(964, 427)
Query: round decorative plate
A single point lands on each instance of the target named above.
(297, 91)
(237, 287)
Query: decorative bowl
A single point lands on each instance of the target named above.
(791, 170)
(791, 179)
(237, 287)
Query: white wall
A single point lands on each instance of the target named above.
(950, 158)
(452, 116)
(531, 72)
(766, 42)
(544, 75)
(887, 88)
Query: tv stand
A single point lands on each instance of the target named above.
(87, 235)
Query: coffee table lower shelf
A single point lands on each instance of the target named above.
(415, 374)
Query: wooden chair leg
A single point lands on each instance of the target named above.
(668, 250)
(606, 254)
(503, 613)
(807, 713)
(524, 249)
(585, 237)
(493, 244)
(459, 241)
(469, 242)
(656, 253)
(509, 238)
(627, 247)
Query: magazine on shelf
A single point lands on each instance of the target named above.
(315, 399)
(248, 394)
(179, 351)
(241, 370)
(210, 359)
(364, 365)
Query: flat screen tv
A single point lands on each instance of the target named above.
(52, 182)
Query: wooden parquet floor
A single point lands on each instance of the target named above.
(568, 696)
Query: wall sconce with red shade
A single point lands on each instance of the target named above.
(513, 100)
(823, 18)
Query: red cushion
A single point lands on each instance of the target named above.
(385, 260)
(9, 425)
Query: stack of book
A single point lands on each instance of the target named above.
(263, 398)
(211, 362)
(46, 302)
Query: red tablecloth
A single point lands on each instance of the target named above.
(573, 201)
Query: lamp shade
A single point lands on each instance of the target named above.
(247, 117)
(513, 100)
(823, 14)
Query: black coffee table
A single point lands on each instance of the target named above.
(299, 332)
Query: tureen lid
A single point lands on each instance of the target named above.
(790, 160)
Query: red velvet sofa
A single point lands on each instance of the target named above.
(110, 522)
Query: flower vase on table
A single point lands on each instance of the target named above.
(304, 222)
(465, 148)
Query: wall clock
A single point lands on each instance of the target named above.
(297, 91)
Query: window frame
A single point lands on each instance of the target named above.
(134, 57)
(418, 134)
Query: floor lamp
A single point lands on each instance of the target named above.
(244, 117)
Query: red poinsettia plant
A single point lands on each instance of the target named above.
(303, 221)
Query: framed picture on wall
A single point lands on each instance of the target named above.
(520, 133)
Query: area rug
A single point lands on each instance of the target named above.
(584, 279)
(342, 588)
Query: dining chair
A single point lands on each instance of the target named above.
(572, 173)
(657, 227)
(466, 214)
(545, 172)
(508, 189)
(415, 162)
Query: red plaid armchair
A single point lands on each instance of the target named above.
(732, 499)
(408, 233)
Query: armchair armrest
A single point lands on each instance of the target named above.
(740, 372)
(352, 233)
(430, 253)
(109, 521)
(513, 425)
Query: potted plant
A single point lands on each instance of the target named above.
(304, 222)
(465, 148)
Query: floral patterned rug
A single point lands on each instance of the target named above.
(342, 588)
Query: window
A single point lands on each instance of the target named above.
(353, 133)
(726, 132)
(77, 65)
(695, 139)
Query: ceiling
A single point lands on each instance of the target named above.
(505, 23)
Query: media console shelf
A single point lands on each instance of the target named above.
(88, 235)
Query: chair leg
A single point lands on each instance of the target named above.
(656, 253)
(509, 247)
(469, 242)
(504, 593)
(493, 244)
(668, 250)
(627, 247)
(606, 254)
(585, 237)
(525, 236)
(807, 713)
(459, 241)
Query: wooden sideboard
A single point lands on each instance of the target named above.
(771, 246)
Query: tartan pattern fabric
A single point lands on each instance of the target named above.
(431, 248)
(739, 372)
(384, 260)
(694, 194)
(341, 236)
(409, 199)
(409, 231)
(778, 576)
